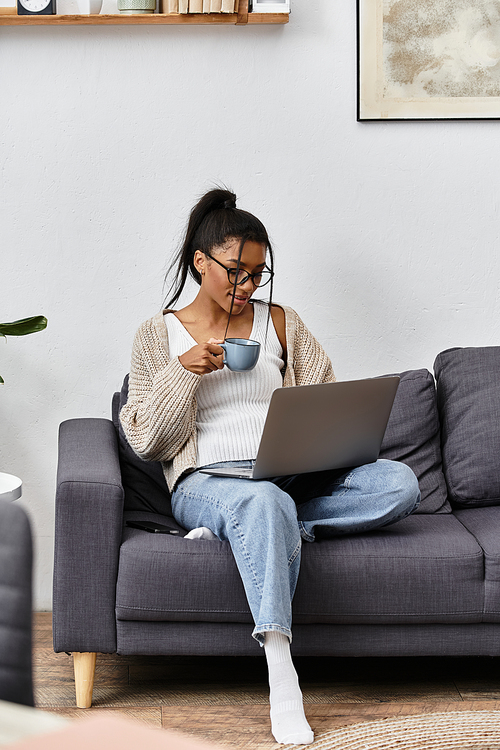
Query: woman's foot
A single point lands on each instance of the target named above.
(288, 720)
(200, 533)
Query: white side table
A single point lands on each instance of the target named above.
(11, 487)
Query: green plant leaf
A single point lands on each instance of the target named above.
(24, 326)
(1, 379)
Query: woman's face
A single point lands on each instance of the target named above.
(214, 278)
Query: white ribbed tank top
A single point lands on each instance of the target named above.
(232, 406)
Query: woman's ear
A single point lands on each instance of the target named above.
(199, 260)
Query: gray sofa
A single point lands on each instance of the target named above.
(16, 683)
(428, 585)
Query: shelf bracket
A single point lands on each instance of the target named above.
(242, 13)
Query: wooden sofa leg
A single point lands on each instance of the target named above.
(84, 665)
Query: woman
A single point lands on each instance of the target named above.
(188, 411)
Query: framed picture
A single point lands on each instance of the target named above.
(270, 6)
(428, 59)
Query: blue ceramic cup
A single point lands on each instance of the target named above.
(241, 354)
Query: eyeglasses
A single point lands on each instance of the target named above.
(261, 278)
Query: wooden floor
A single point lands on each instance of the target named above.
(225, 700)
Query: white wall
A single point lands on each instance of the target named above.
(386, 234)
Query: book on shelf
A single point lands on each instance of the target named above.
(227, 6)
(196, 6)
(183, 6)
(269, 6)
(206, 6)
(169, 6)
(215, 6)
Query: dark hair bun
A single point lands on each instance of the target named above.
(215, 200)
(230, 202)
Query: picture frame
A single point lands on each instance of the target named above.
(423, 61)
(270, 6)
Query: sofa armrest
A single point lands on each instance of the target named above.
(88, 530)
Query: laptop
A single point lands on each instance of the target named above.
(320, 427)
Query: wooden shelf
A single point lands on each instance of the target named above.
(177, 19)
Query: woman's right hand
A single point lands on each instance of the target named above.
(203, 358)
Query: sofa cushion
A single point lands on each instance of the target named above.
(164, 577)
(484, 524)
(424, 569)
(468, 388)
(412, 436)
(144, 483)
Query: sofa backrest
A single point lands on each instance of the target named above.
(468, 391)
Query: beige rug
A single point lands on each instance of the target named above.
(455, 730)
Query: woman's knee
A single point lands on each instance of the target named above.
(267, 511)
(400, 483)
(267, 501)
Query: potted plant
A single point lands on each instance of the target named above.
(22, 328)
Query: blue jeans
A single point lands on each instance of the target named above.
(265, 522)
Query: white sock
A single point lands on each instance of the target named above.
(288, 720)
(201, 533)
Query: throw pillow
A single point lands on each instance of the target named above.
(143, 481)
(413, 437)
(468, 389)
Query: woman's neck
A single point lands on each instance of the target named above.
(206, 321)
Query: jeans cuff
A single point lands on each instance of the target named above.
(260, 632)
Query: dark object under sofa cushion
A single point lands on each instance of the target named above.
(468, 388)
(143, 482)
(413, 437)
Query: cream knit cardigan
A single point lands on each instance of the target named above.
(159, 418)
